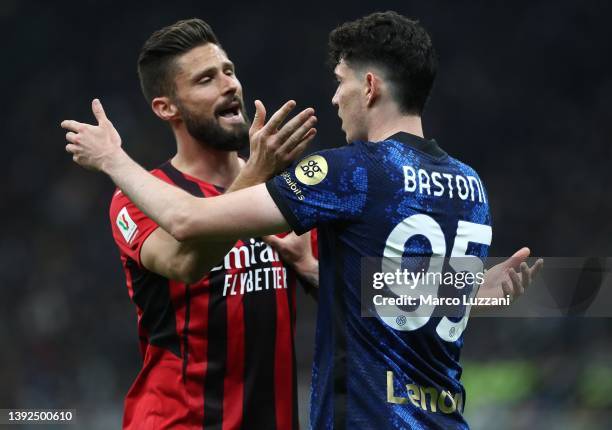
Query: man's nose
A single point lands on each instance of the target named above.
(230, 85)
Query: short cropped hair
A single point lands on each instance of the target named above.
(156, 62)
(400, 46)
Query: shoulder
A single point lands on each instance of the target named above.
(344, 150)
(463, 168)
(344, 155)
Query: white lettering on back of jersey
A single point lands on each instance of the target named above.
(430, 183)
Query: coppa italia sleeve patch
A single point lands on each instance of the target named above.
(126, 225)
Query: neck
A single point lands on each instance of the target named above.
(385, 124)
(203, 162)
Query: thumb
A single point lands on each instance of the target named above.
(98, 111)
(260, 116)
(272, 240)
(517, 258)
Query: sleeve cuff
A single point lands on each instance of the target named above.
(142, 240)
(284, 208)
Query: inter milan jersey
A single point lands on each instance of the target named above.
(400, 197)
(218, 353)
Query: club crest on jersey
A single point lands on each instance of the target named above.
(311, 170)
(126, 225)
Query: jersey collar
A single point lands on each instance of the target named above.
(429, 147)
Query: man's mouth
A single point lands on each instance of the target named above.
(231, 113)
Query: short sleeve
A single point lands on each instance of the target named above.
(130, 226)
(321, 188)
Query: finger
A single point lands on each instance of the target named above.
(72, 125)
(517, 285)
(297, 136)
(260, 116)
(278, 117)
(72, 137)
(301, 147)
(294, 124)
(526, 274)
(98, 111)
(71, 148)
(517, 258)
(537, 266)
(507, 289)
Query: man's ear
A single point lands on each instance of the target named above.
(164, 108)
(372, 88)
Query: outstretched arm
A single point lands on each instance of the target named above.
(248, 212)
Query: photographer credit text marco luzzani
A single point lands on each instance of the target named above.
(410, 279)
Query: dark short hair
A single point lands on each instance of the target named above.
(156, 62)
(400, 46)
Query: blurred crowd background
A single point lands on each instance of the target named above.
(523, 95)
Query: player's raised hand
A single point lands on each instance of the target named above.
(273, 144)
(92, 146)
(511, 277)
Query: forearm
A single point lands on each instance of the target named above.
(249, 212)
(167, 205)
(202, 254)
(245, 213)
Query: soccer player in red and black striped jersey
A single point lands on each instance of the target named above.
(216, 327)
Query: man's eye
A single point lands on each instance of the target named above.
(229, 72)
(205, 80)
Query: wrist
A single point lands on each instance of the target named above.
(251, 175)
(113, 160)
(308, 264)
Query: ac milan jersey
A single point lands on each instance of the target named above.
(403, 197)
(218, 353)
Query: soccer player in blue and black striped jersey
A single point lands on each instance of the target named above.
(389, 192)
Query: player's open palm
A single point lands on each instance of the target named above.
(92, 146)
(275, 145)
(510, 277)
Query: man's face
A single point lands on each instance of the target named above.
(350, 101)
(209, 98)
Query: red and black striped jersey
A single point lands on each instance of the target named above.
(219, 353)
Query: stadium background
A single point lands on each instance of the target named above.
(522, 95)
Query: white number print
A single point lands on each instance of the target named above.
(424, 225)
